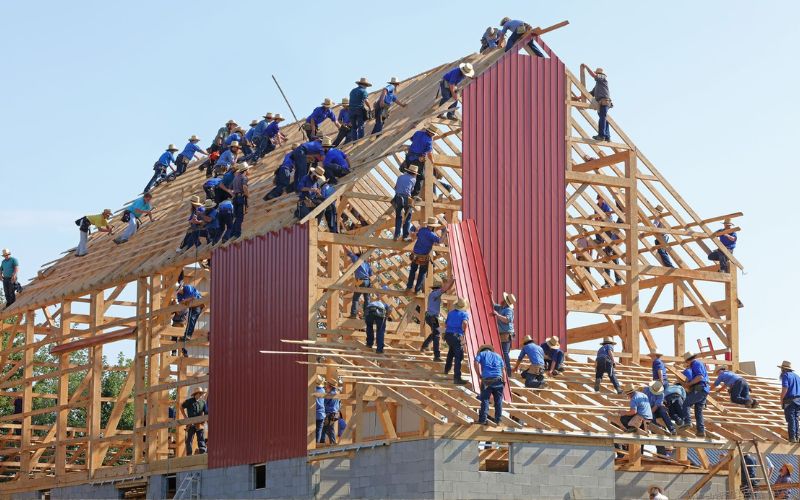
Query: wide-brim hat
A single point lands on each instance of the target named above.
(199, 390)
(209, 203)
(689, 355)
(509, 298)
(727, 222)
(242, 167)
(461, 304)
(320, 379)
(600, 71)
(319, 171)
(504, 20)
(720, 369)
(393, 81)
(345, 101)
(194, 138)
(527, 339)
(195, 200)
(268, 116)
(554, 342)
(234, 144)
(328, 102)
(327, 142)
(656, 353)
(486, 347)
(659, 208)
(412, 169)
(432, 222)
(656, 387)
(253, 123)
(467, 69)
(172, 147)
(629, 388)
(278, 118)
(363, 81)
(608, 340)
(431, 129)
(437, 284)
(786, 365)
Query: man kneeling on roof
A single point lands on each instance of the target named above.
(534, 374)
(491, 372)
(132, 214)
(553, 356)
(655, 394)
(639, 411)
(674, 396)
(737, 386)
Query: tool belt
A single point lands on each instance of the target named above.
(330, 418)
(523, 28)
(84, 224)
(401, 201)
(699, 387)
(375, 311)
(506, 336)
(198, 426)
(308, 203)
(421, 259)
(308, 126)
(126, 216)
(489, 382)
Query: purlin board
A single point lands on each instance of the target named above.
(514, 158)
(259, 295)
(469, 272)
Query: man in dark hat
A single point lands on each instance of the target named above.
(697, 392)
(491, 372)
(195, 406)
(604, 365)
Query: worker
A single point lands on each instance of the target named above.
(737, 386)
(655, 395)
(608, 249)
(656, 493)
(697, 393)
(421, 253)
(534, 374)
(165, 161)
(455, 327)
(273, 133)
(283, 176)
(749, 479)
(553, 356)
(518, 29)
(260, 133)
(602, 97)
(309, 192)
(225, 217)
(638, 412)
(359, 108)
(319, 404)
(490, 39)
(210, 217)
(345, 127)
(241, 193)
(662, 239)
(375, 316)
(331, 216)
(504, 314)
(219, 140)
(237, 135)
(188, 293)
(674, 396)
(784, 477)
(99, 221)
(16, 411)
(448, 87)
(132, 216)
(490, 369)
(188, 154)
(605, 363)
(432, 312)
(193, 407)
(210, 186)
(332, 407)
(421, 148)
(728, 239)
(320, 114)
(790, 399)
(9, 268)
(335, 162)
(403, 207)
(306, 152)
(196, 226)
(363, 277)
(384, 102)
(228, 157)
(659, 369)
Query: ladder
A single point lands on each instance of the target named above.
(189, 487)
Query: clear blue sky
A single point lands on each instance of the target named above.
(92, 92)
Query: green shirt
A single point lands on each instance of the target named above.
(194, 407)
(8, 265)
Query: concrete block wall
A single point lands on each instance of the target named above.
(635, 484)
(85, 491)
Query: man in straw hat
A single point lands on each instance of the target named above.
(320, 114)
(387, 97)
(455, 327)
(659, 369)
(99, 221)
(219, 140)
(604, 365)
(165, 161)
(490, 370)
(602, 96)
(260, 132)
(332, 408)
(307, 153)
(534, 374)
(448, 86)
(363, 277)
(359, 108)
(490, 39)
(188, 154)
(210, 217)
(504, 314)
(727, 236)
(697, 392)
(375, 316)
(553, 356)
(655, 394)
(344, 123)
(421, 148)
(9, 268)
(790, 399)
(638, 412)
(319, 406)
(432, 313)
(662, 239)
(195, 406)
(196, 225)
(283, 175)
(241, 193)
(738, 388)
(674, 396)
(403, 206)
(228, 157)
(421, 253)
(518, 29)
(336, 162)
(309, 191)
(274, 135)
(132, 216)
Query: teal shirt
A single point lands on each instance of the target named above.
(139, 204)
(8, 266)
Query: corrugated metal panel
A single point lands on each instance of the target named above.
(514, 154)
(259, 295)
(472, 283)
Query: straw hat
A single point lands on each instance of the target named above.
(509, 298)
(6, 251)
(320, 379)
(786, 365)
(608, 340)
(209, 203)
(486, 347)
(253, 123)
(437, 284)
(234, 144)
(727, 223)
(629, 389)
(431, 129)
(195, 200)
(231, 122)
(199, 390)
(107, 212)
(504, 20)
(332, 382)
(412, 169)
(527, 339)
(553, 342)
(491, 30)
(721, 369)
(659, 208)
(461, 304)
(172, 147)
(242, 167)
(467, 69)
(328, 102)
(393, 81)
(600, 71)
(345, 101)
(432, 222)
(278, 117)
(656, 387)
(363, 81)
(656, 354)
(327, 142)
(268, 116)
(319, 171)
(194, 138)
(689, 355)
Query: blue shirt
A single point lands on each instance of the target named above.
(641, 404)
(491, 364)
(421, 144)
(454, 76)
(659, 370)
(139, 204)
(166, 158)
(435, 302)
(344, 115)
(226, 158)
(226, 207)
(313, 148)
(327, 190)
(332, 405)
(236, 136)
(405, 184)
(320, 404)
(390, 96)
(319, 115)
(606, 351)
(273, 129)
(364, 270)
(8, 266)
(455, 320)
(288, 162)
(675, 389)
(250, 133)
(511, 26)
(336, 156)
(306, 182)
(604, 207)
(699, 369)
(378, 304)
(425, 241)
(357, 97)
(189, 151)
(227, 179)
(188, 292)
(729, 240)
(212, 182)
(728, 378)
(534, 352)
(214, 222)
(548, 351)
(791, 381)
(261, 128)
(508, 312)
(653, 399)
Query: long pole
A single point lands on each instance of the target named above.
(284, 97)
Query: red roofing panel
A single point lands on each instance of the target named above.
(513, 163)
(259, 295)
(469, 272)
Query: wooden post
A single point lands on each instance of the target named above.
(139, 366)
(732, 298)
(96, 308)
(63, 394)
(679, 329)
(27, 393)
(631, 292)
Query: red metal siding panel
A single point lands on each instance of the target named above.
(259, 295)
(513, 158)
(472, 283)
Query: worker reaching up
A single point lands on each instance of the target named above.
(504, 314)
(448, 87)
(403, 206)
(165, 161)
(518, 29)
(99, 221)
(790, 399)
(602, 98)
(218, 144)
(421, 254)
(421, 148)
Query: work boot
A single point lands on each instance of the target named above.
(753, 403)
(460, 381)
(684, 425)
(700, 434)
(437, 359)
(630, 429)
(598, 137)
(597, 385)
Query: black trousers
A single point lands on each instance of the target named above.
(9, 291)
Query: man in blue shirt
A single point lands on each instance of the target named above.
(331, 216)
(432, 313)
(737, 386)
(10, 270)
(504, 314)
(319, 115)
(309, 192)
(638, 412)
(210, 217)
(132, 215)
(421, 254)
(674, 396)
(553, 356)
(421, 148)
(188, 293)
(165, 161)
(659, 369)
(319, 406)
(790, 399)
(196, 225)
(359, 108)
(489, 367)
(283, 175)
(228, 158)
(728, 239)
(455, 327)
(697, 392)
(188, 154)
(518, 29)
(241, 194)
(490, 39)
(534, 374)
(363, 276)
(210, 186)
(225, 217)
(376, 315)
(448, 87)
(403, 207)
(259, 133)
(604, 365)
(306, 152)
(387, 97)
(336, 163)
(344, 124)
(332, 407)
(655, 394)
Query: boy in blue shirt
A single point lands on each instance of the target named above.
(448, 87)
(165, 161)
(790, 399)
(432, 313)
(283, 176)
(534, 374)
(335, 162)
(697, 392)
(728, 239)
(659, 369)
(421, 254)
(403, 207)
(319, 406)
(604, 365)
(455, 326)
(639, 411)
(387, 97)
(655, 394)
(737, 386)
(490, 369)
(504, 314)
